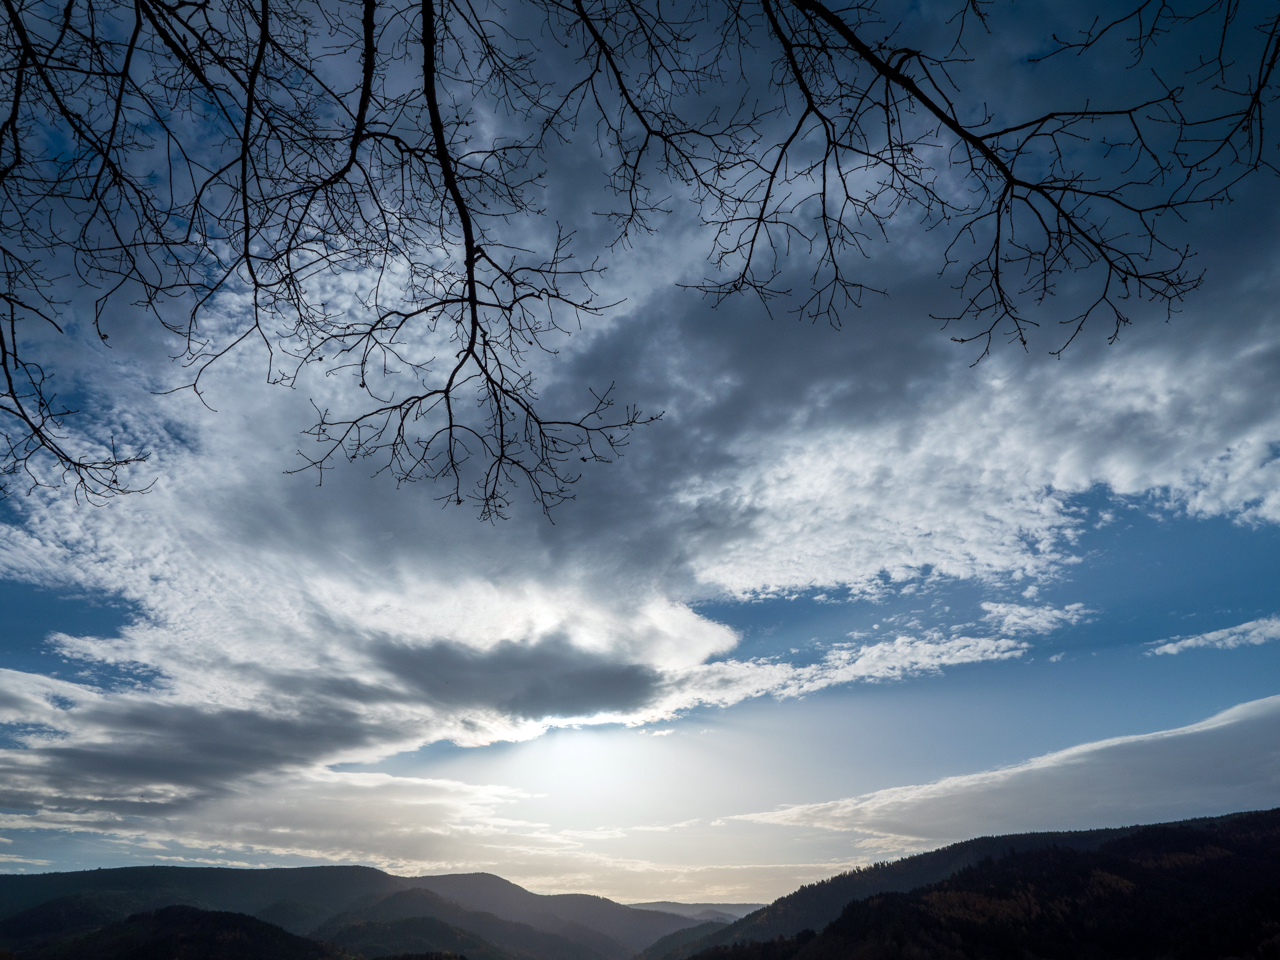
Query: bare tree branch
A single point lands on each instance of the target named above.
(358, 184)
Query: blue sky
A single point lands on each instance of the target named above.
(853, 597)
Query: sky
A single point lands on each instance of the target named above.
(854, 596)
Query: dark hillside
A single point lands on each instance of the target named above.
(191, 934)
(517, 939)
(414, 935)
(674, 941)
(815, 905)
(296, 916)
(75, 915)
(301, 898)
(327, 889)
(633, 929)
(779, 948)
(1200, 890)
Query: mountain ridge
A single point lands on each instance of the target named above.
(814, 905)
(726, 912)
(1191, 890)
(632, 927)
(518, 940)
(362, 906)
(299, 899)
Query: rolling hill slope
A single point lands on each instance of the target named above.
(813, 906)
(191, 934)
(299, 899)
(517, 940)
(557, 913)
(323, 889)
(1197, 890)
(413, 935)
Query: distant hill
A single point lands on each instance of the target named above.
(1197, 890)
(301, 899)
(322, 890)
(413, 935)
(518, 941)
(558, 913)
(35, 908)
(725, 912)
(674, 941)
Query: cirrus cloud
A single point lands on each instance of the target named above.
(1225, 763)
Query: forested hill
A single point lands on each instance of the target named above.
(248, 891)
(1200, 890)
(191, 934)
(815, 905)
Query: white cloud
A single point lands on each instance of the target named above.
(1226, 763)
(1253, 633)
(726, 682)
(974, 477)
(1017, 618)
(282, 628)
(8, 858)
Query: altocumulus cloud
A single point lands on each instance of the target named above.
(1018, 618)
(974, 478)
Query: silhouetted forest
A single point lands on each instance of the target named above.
(362, 907)
(1202, 890)
(814, 905)
(779, 948)
(188, 933)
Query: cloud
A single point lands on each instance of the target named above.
(1226, 763)
(723, 683)
(407, 824)
(1016, 618)
(189, 766)
(7, 858)
(974, 477)
(1253, 633)
(154, 751)
(282, 629)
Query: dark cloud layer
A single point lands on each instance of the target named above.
(550, 679)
